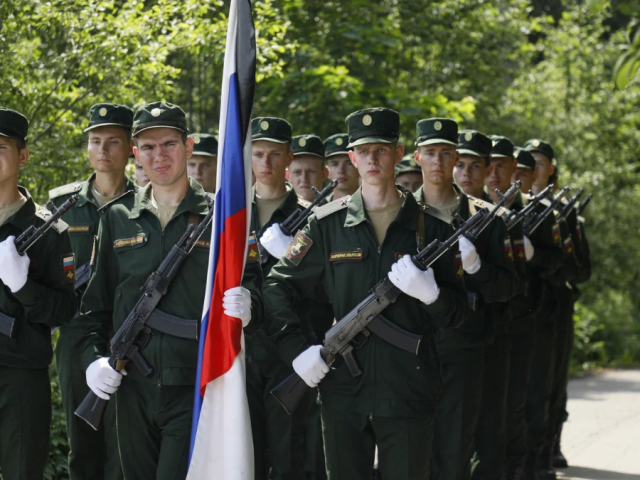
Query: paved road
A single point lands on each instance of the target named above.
(602, 437)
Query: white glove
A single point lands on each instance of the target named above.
(237, 304)
(102, 379)
(470, 258)
(275, 241)
(413, 281)
(528, 248)
(15, 268)
(310, 366)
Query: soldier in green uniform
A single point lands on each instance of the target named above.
(340, 167)
(307, 168)
(36, 295)
(544, 255)
(136, 233)
(203, 164)
(485, 271)
(92, 454)
(409, 173)
(347, 247)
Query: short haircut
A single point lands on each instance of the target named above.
(20, 144)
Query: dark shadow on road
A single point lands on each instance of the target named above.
(584, 473)
(597, 387)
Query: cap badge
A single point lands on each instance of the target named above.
(338, 141)
(302, 142)
(367, 120)
(437, 126)
(468, 136)
(536, 143)
(103, 112)
(156, 112)
(264, 125)
(196, 140)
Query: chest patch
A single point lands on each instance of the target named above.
(79, 229)
(349, 255)
(298, 248)
(508, 251)
(68, 268)
(556, 234)
(253, 252)
(568, 245)
(128, 242)
(458, 271)
(518, 248)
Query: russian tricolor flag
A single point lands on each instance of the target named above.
(221, 442)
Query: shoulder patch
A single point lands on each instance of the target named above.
(65, 190)
(68, 268)
(107, 205)
(331, 207)
(43, 214)
(555, 231)
(508, 252)
(298, 248)
(253, 252)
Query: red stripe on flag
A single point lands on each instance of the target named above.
(222, 344)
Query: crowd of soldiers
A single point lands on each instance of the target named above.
(483, 395)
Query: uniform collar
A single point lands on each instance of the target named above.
(463, 205)
(194, 202)
(288, 205)
(356, 213)
(23, 218)
(86, 195)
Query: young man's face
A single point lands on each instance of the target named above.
(544, 169)
(203, 169)
(502, 169)
(342, 170)
(141, 177)
(412, 181)
(376, 162)
(11, 160)
(526, 175)
(437, 162)
(306, 171)
(270, 161)
(108, 149)
(163, 155)
(470, 173)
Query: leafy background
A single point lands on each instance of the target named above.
(560, 70)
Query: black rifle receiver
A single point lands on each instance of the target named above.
(504, 200)
(571, 204)
(584, 204)
(533, 223)
(513, 218)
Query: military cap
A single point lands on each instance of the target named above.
(204, 144)
(307, 145)
(159, 115)
(436, 130)
(336, 145)
(537, 145)
(472, 142)
(373, 125)
(408, 165)
(110, 114)
(13, 124)
(525, 158)
(272, 129)
(502, 147)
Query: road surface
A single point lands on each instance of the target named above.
(601, 440)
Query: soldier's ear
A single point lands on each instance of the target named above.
(399, 153)
(23, 157)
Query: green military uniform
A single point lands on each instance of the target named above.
(393, 403)
(92, 454)
(46, 300)
(153, 413)
(525, 307)
(491, 430)
(462, 349)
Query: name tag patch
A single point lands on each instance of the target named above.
(203, 244)
(298, 248)
(350, 255)
(128, 242)
(518, 248)
(508, 252)
(68, 268)
(253, 252)
(79, 229)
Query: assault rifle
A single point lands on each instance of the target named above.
(25, 241)
(366, 318)
(533, 223)
(515, 217)
(134, 334)
(297, 219)
(584, 204)
(504, 200)
(571, 204)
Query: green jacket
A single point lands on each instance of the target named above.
(496, 281)
(130, 246)
(47, 300)
(339, 251)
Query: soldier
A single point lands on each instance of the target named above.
(92, 454)
(136, 233)
(307, 168)
(203, 164)
(36, 295)
(474, 163)
(347, 247)
(409, 173)
(484, 270)
(340, 167)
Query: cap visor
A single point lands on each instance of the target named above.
(499, 155)
(93, 127)
(520, 165)
(333, 154)
(296, 154)
(365, 140)
(268, 139)
(135, 134)
(466, 151)
(204, 154)
(432, 141)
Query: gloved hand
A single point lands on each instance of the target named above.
(470, 258)
(413, 281)
(310, 366)
(237, 304)
(529, 250)
(15, 268)
(102, 379)
(275, 241)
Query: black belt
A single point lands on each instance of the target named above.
(7, 325)
(175, 326)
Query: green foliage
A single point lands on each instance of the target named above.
(57, 468)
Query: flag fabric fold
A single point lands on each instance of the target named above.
(221, 442)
